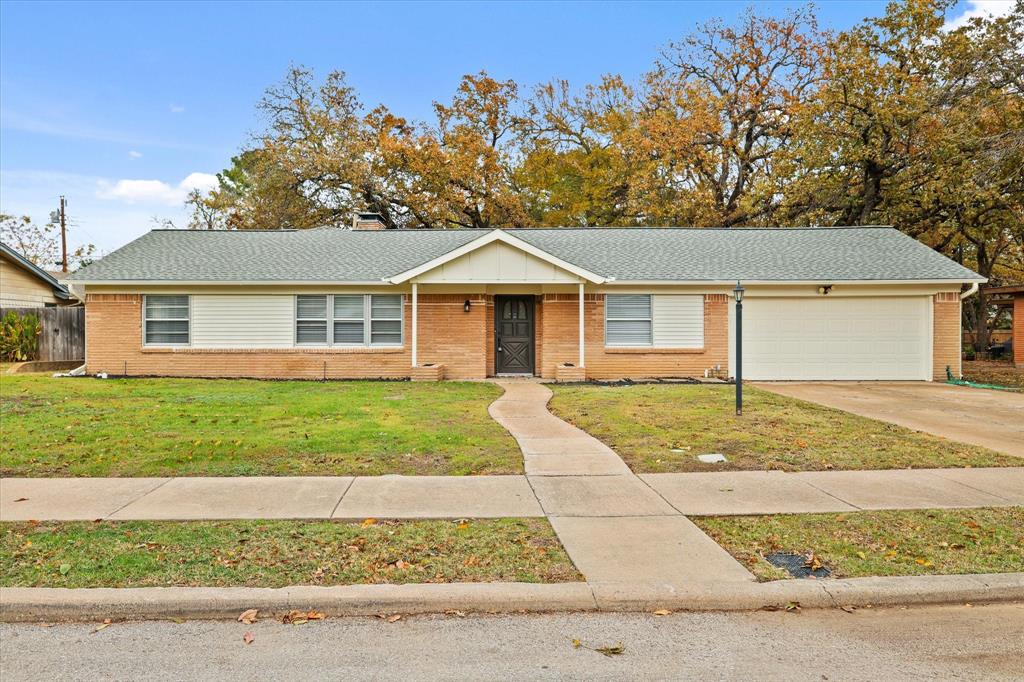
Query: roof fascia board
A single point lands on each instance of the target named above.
(767, 282)
(490, 237)
(217, 282)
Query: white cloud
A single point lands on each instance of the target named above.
(177, 109)
(979, 9)
(154, 191)
(134, 154)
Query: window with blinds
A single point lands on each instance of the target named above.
(628, 320)
(656, 320)
(165, 320)
(349, 319)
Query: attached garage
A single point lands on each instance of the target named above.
(835, 338)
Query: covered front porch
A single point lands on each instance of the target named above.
(467, 332)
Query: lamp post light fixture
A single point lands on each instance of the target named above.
(738, 295)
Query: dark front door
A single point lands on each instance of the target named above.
(513, 334)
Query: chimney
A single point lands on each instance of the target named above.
(368, 221)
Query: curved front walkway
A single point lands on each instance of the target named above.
(615, 527)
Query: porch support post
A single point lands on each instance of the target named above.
(415, 326)
(581, 362)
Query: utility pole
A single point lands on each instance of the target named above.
(63, 237)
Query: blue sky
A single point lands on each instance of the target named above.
(123, 106)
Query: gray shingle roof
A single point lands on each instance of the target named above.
(637, 254)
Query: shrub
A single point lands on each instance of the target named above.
(19, 336)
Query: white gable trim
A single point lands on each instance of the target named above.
(484, 240)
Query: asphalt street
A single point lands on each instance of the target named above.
(961, 642)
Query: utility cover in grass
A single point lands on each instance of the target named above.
(798, 565)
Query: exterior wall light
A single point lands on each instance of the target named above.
(465, 306)
(825, 290)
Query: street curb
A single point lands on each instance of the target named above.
(41, 604)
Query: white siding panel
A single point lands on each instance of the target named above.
(243, 321)
(497, 263)
(678, 321)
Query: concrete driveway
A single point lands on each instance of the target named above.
(993, 419)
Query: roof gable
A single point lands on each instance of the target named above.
(504, 257)
(59, 290)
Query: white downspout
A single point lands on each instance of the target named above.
(970, 292)
(581, 363)
(415, 326)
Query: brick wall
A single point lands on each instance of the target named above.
(1018, 330)
(447, 335)
(945, 334)
(558, 342)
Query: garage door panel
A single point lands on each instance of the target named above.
(836, 338)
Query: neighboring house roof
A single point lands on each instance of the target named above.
(59, 290)
(621, 254)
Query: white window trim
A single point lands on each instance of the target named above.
(367, 321)
(650, 319)
(328, 302)
(146, 320)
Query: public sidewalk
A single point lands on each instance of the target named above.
(564, 494)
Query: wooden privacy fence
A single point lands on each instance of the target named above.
(63, 336)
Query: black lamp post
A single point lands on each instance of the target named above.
(738, 294)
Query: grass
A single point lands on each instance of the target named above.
(210, 427)
(879, 543)
(662, 428)
(997, 373)
(279, 553)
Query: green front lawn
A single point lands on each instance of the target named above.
(279, 553)
(210, 427)
(879, 543)
(663, 427)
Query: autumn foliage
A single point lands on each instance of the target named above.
(765, 121)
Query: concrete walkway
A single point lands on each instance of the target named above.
(454, 497)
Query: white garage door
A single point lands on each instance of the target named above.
(825, 338)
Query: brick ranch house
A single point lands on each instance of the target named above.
(600, 303)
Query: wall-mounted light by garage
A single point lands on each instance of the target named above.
(825, 290)
(465, 306)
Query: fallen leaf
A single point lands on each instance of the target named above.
(395, 618)
(21, 499)
(610, 651)
(455, 612)
(576, 644)
(295, 618)
(368, 522)
(662, 612)
(315, 615)
(862, 555)
(248, 616)
(65, 569)
(248, 638)
(793, 606)
(848, 609)
(104, 624)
